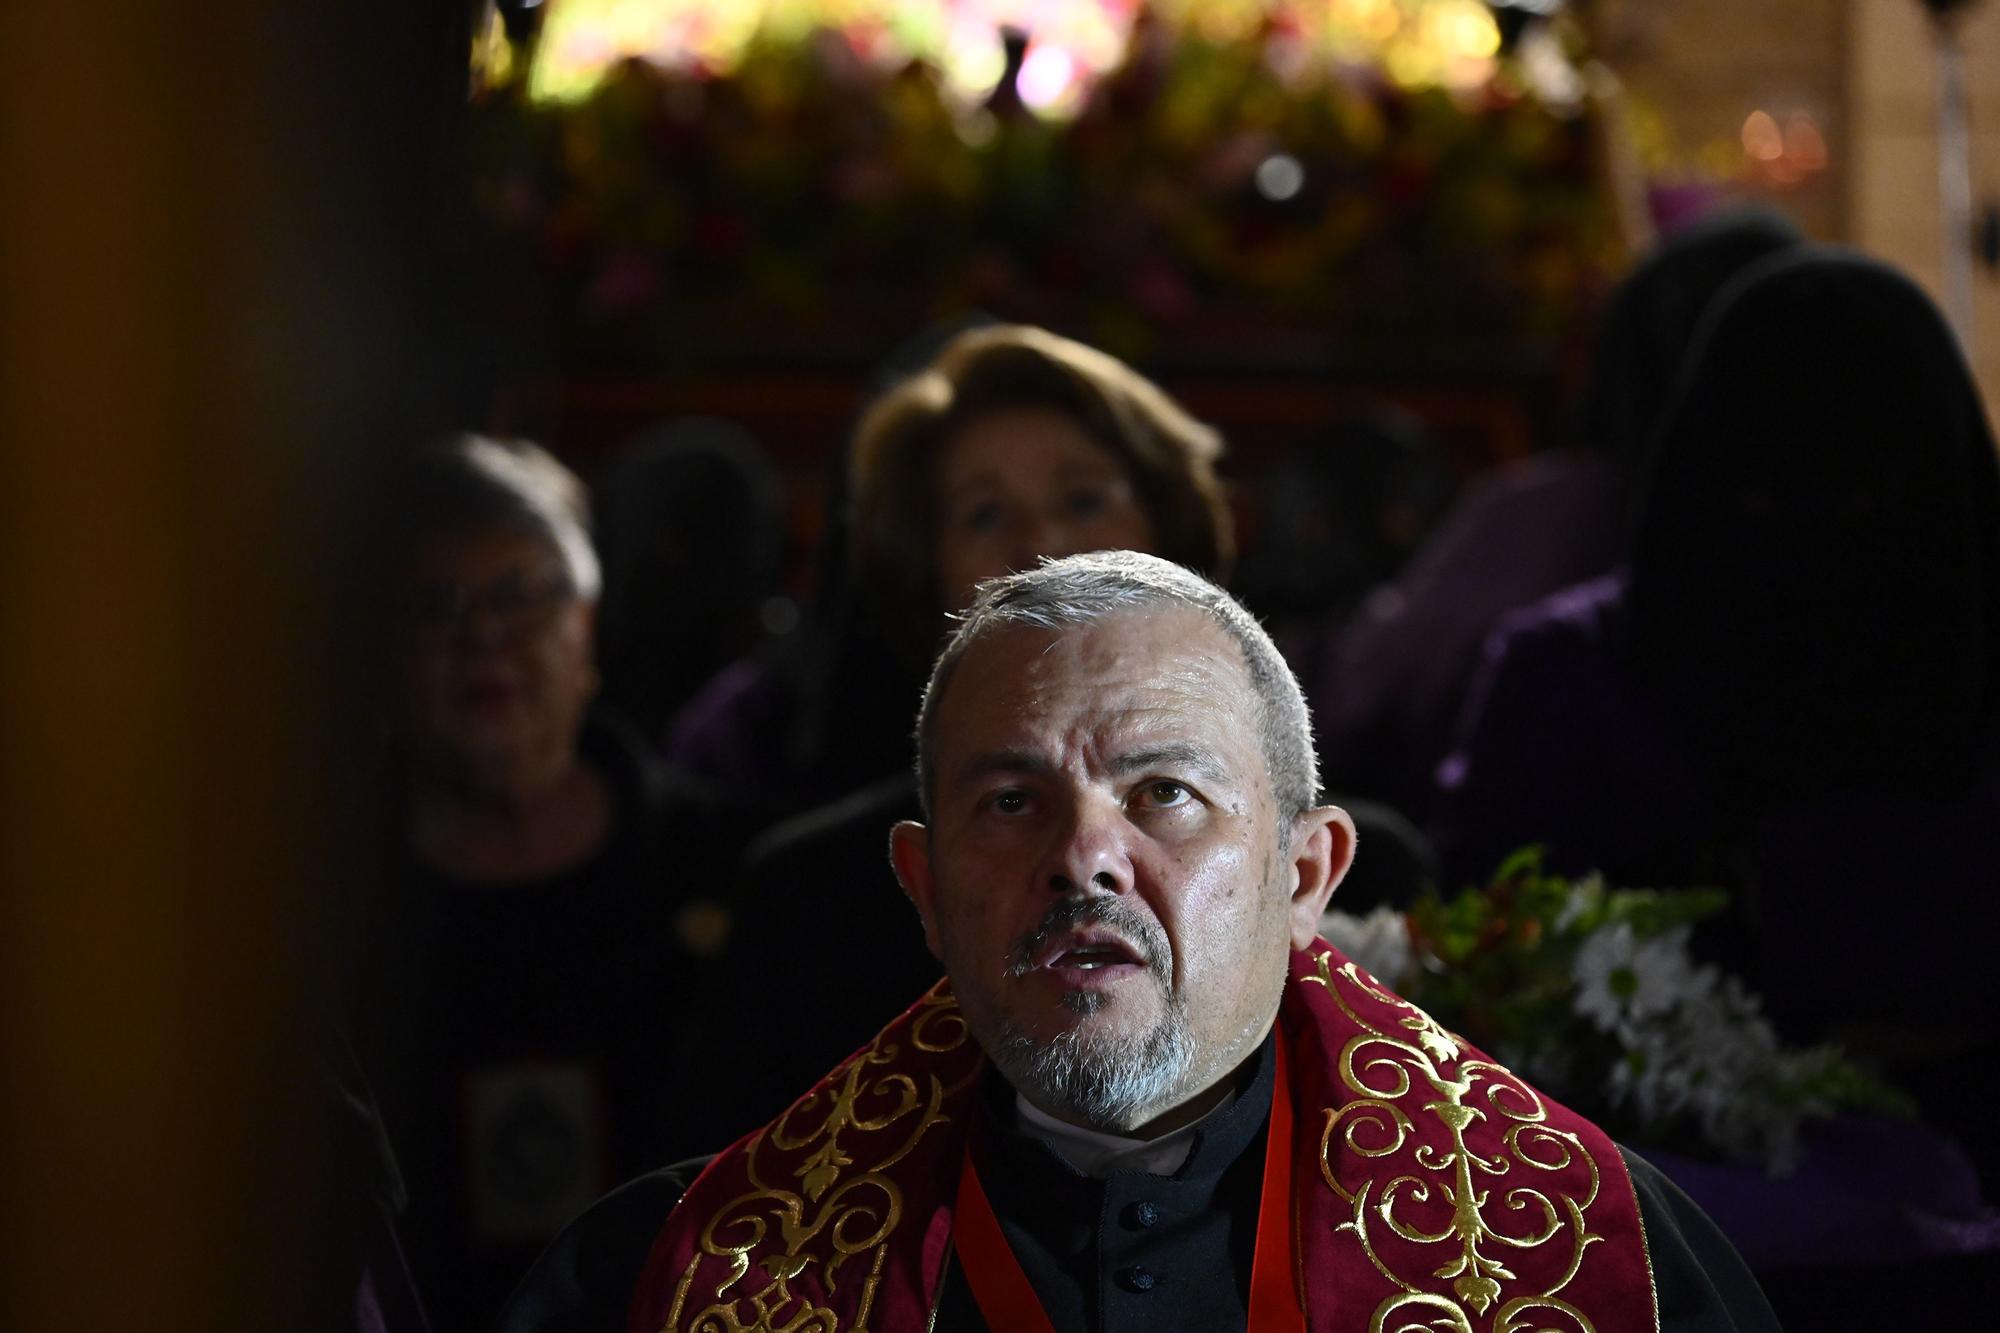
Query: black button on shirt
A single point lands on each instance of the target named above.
(1136, 1278)
(1141, 1215)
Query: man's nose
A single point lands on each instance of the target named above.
(1088, 853)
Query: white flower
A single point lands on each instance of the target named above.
(1665, 975)
(1621, 978)
(1602, 971)
(1696, 1045)
(1379, 942)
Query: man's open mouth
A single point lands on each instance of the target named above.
(1090, 953)
(1090, 959)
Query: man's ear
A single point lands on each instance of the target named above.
(910, 856)
(1322, 849)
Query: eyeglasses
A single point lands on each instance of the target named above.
(516, 601)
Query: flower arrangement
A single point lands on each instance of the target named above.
(1593, 994)
(1212, 194)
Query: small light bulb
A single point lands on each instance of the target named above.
(1762, 139)
(1046, 75)
(1280, 177)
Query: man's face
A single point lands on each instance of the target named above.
(1103, 876)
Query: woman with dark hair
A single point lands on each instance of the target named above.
(1388, 689)
(1649, 325)
(1822, 524)
(1809, 610)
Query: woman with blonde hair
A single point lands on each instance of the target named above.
(1010, 444)
(1017, 444)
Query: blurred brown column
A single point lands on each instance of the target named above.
(218, 305)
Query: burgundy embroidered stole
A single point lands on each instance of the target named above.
(1431, 1189)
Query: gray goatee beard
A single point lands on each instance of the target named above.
(1102, 1080)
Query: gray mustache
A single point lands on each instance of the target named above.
(1137, 929)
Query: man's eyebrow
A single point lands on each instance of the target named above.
(1173, 754)
(1001, 761)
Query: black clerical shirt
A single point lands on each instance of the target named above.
(1134, 1250)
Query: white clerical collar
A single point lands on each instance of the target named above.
(1097, 1153)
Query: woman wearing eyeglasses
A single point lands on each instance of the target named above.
(498, 670)
(546, 916)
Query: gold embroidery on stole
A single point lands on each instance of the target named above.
(824, 1213)
(1381, 1068)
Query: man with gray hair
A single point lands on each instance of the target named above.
(1146, 966)
(1147, 1094)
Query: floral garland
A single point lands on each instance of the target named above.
(1210, 190)
(1593, 994)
